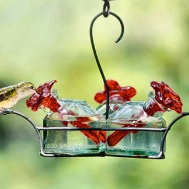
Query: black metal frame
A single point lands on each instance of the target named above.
(39, 131)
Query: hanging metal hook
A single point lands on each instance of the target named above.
(96, 56)
(106, 8)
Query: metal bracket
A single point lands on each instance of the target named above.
(40, 130)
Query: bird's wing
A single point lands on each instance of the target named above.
(7, 94)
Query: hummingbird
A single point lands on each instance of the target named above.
(10, 95)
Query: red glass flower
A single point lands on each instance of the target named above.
(43, 98)
(116, 92)
(167, 97)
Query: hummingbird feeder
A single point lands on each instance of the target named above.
(117, 127)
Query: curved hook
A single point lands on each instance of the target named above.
(96, 56)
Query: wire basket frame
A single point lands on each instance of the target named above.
(40, 131)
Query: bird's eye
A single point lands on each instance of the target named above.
(31, 87)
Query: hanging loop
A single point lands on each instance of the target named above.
(106, 8)
(96, 56)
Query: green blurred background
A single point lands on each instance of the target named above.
(42, 40)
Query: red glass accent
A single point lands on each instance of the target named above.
(93, 135)
(43, 98)
(116, 93)
(153, 107)
(102, 136)
(96, 136)
(118, 135)
(167, 97)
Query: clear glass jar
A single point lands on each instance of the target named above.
(113, 106)
(133, 143)
(81, 133)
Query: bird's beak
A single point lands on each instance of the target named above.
(35, 91)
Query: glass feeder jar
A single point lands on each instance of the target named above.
(76, 131)
(134, 143)
(113, 106)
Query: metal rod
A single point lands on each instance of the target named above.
(104, 129)
(96, 56)
(170, 126)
